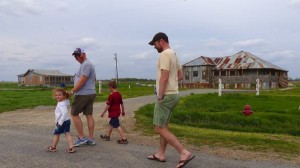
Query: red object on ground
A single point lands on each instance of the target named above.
(247, 110)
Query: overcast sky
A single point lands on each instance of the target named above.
(42, 34)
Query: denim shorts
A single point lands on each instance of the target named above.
(114, 122)
(163, 109)
(64, 128)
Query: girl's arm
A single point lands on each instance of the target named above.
(64, 113)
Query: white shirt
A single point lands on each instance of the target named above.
(61, 111)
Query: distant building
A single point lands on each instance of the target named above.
(240, 70)
(35, 77)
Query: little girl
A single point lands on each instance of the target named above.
(62, 120)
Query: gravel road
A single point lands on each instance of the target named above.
(25, 133)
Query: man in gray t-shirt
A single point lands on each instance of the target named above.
(85, 93)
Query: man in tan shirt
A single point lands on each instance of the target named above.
(169, 72)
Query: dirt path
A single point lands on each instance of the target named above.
(25, 132)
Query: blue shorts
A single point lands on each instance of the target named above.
(114, 122)
(64, 128)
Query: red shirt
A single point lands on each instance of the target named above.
(114, 101)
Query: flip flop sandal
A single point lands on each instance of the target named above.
(153, 157)
(70, 150)
(50, 149)
(185, 162)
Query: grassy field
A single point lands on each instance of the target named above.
(208, 119)
(204, 119)
(15, 97)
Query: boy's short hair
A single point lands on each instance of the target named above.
(113, 84)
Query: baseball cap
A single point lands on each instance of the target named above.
(159, 36)
(78, 51)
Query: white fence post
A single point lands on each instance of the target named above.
(220, 87)
(257, 87)
(100, 87)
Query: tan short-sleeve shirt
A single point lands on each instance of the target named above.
(168, 60)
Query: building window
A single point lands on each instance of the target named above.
(223, 73)
(195, 73)
(232, 73)
(187, 75)
(204, 74)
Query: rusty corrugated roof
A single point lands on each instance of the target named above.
(240, 60)
(244, 60)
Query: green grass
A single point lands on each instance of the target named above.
(15, 97)
(208, 119)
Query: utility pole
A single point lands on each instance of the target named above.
(116, 59)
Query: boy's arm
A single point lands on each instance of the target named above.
(105, 109)
(123, 109)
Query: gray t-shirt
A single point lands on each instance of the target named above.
(86, 69)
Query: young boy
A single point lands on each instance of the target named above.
(115, 107)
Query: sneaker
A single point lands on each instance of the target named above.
(122, 141)
(91, 142)
(105, 137)
(80, 141)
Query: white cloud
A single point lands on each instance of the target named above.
(87, 43)
(289, 54)
(142, 56)
(214, 42)
(295, 3)
(250, 43)
(43, 34)
(19, 7)
(15, 49)
(60, 5)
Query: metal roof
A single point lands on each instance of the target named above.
(200, 61)
(240, 60)
(47, 72)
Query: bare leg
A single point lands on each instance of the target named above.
(121, 133)
(78, 125)
(69, 139)
(173, 141)
(110, 128)
(161, 153)
(91, 125)
(55, 140)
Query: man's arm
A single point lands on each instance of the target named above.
(163, 81)
(80, 83)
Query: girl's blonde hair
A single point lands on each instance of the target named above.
(65, 93)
